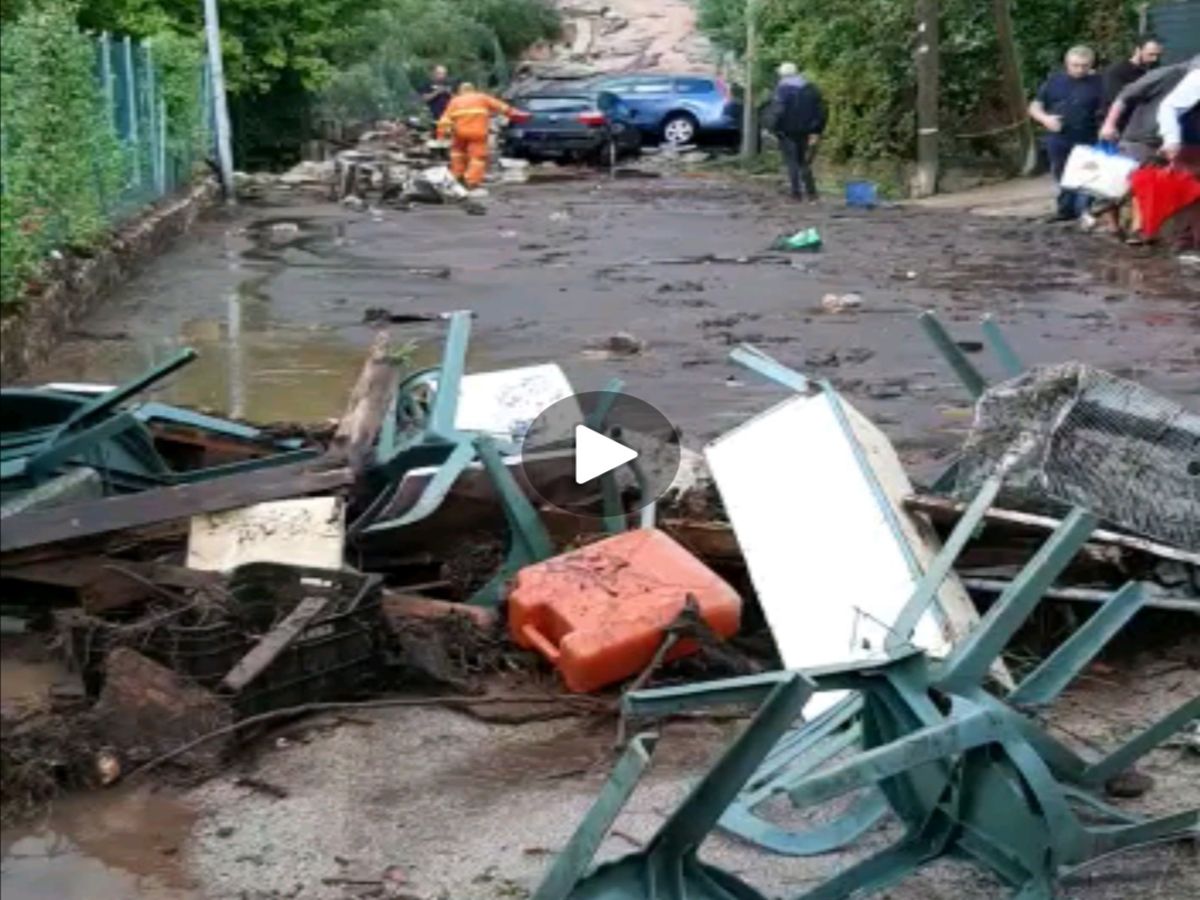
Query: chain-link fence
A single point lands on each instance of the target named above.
(159, 161)
(94, 129)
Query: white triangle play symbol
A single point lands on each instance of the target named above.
(596, 454)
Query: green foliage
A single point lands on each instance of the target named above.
(398, 43)
(861, 54)
(62, 167)
(180, 60)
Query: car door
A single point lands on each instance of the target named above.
(649, 99)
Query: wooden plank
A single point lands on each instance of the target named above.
(947, 510)
(369, 402)
(274, 642)
(85, 570)
(112, 544)
(166, 504)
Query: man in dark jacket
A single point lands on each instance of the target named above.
(1069, 105)
(797, 118)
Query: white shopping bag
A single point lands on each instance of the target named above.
(1098, 172)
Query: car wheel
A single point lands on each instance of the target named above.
(679, 128)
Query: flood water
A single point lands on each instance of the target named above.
(112, 845)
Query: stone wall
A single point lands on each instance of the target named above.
(30, 332)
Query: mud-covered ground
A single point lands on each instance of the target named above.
(273, 297)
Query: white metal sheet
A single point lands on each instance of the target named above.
(830, 570)
(504, 402)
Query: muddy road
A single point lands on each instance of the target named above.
(274, 295)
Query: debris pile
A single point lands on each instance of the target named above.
(205, 578)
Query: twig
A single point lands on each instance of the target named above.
(263, 787)
(454, 702)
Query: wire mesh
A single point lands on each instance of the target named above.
(1073, 435)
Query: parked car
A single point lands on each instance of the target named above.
(581, 125)
(677, 109)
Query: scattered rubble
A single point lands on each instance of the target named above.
(207, 579)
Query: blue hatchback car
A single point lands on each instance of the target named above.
(677, 109)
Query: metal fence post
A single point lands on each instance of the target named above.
(106, 77)
(152, 104)
(131, 102)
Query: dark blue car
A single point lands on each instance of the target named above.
(677, 109)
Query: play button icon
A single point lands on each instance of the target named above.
(590, 450)
(596, 454)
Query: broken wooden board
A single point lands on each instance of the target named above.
(309, 531)
(273, 643)
(93, 517)
(368, 404)
(813, 492)
(946, 509)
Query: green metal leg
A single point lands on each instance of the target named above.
(970, 377)
(63, 449)
(573, 861)
(698, 814)
(889, 866)
(450, 374)
(970, 661)
(880, 763)
(1001, 348)
(927, 588)
(769, 367)
(118, 395)
(528, 539)
(1049, 679)
(1130, 752)
(435, 492)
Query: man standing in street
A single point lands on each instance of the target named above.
(436, 92)
(1146, 56)
(797, 117)
(1069, 106)
(466, 120)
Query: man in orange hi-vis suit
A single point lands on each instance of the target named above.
(466, 120)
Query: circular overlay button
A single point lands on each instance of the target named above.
(580, 443)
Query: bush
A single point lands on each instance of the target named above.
(62, 165)
(861, 54)
(398, 43)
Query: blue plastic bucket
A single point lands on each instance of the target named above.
(863, 194)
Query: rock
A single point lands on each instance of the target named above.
(840, 302)
(623, 344)
(1129, 785)
(309, 172)
(146, 709)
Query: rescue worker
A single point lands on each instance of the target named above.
(466, 122)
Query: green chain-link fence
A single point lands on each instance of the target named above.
(94, 129)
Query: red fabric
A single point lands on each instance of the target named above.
(1160, 193)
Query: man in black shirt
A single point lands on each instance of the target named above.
(1069, 106)
(1146, 56)
(437, 91)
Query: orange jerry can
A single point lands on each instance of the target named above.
(600, 613)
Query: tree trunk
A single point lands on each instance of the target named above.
(927, 98)
(1014, 86)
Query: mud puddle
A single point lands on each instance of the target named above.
(115, 845)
